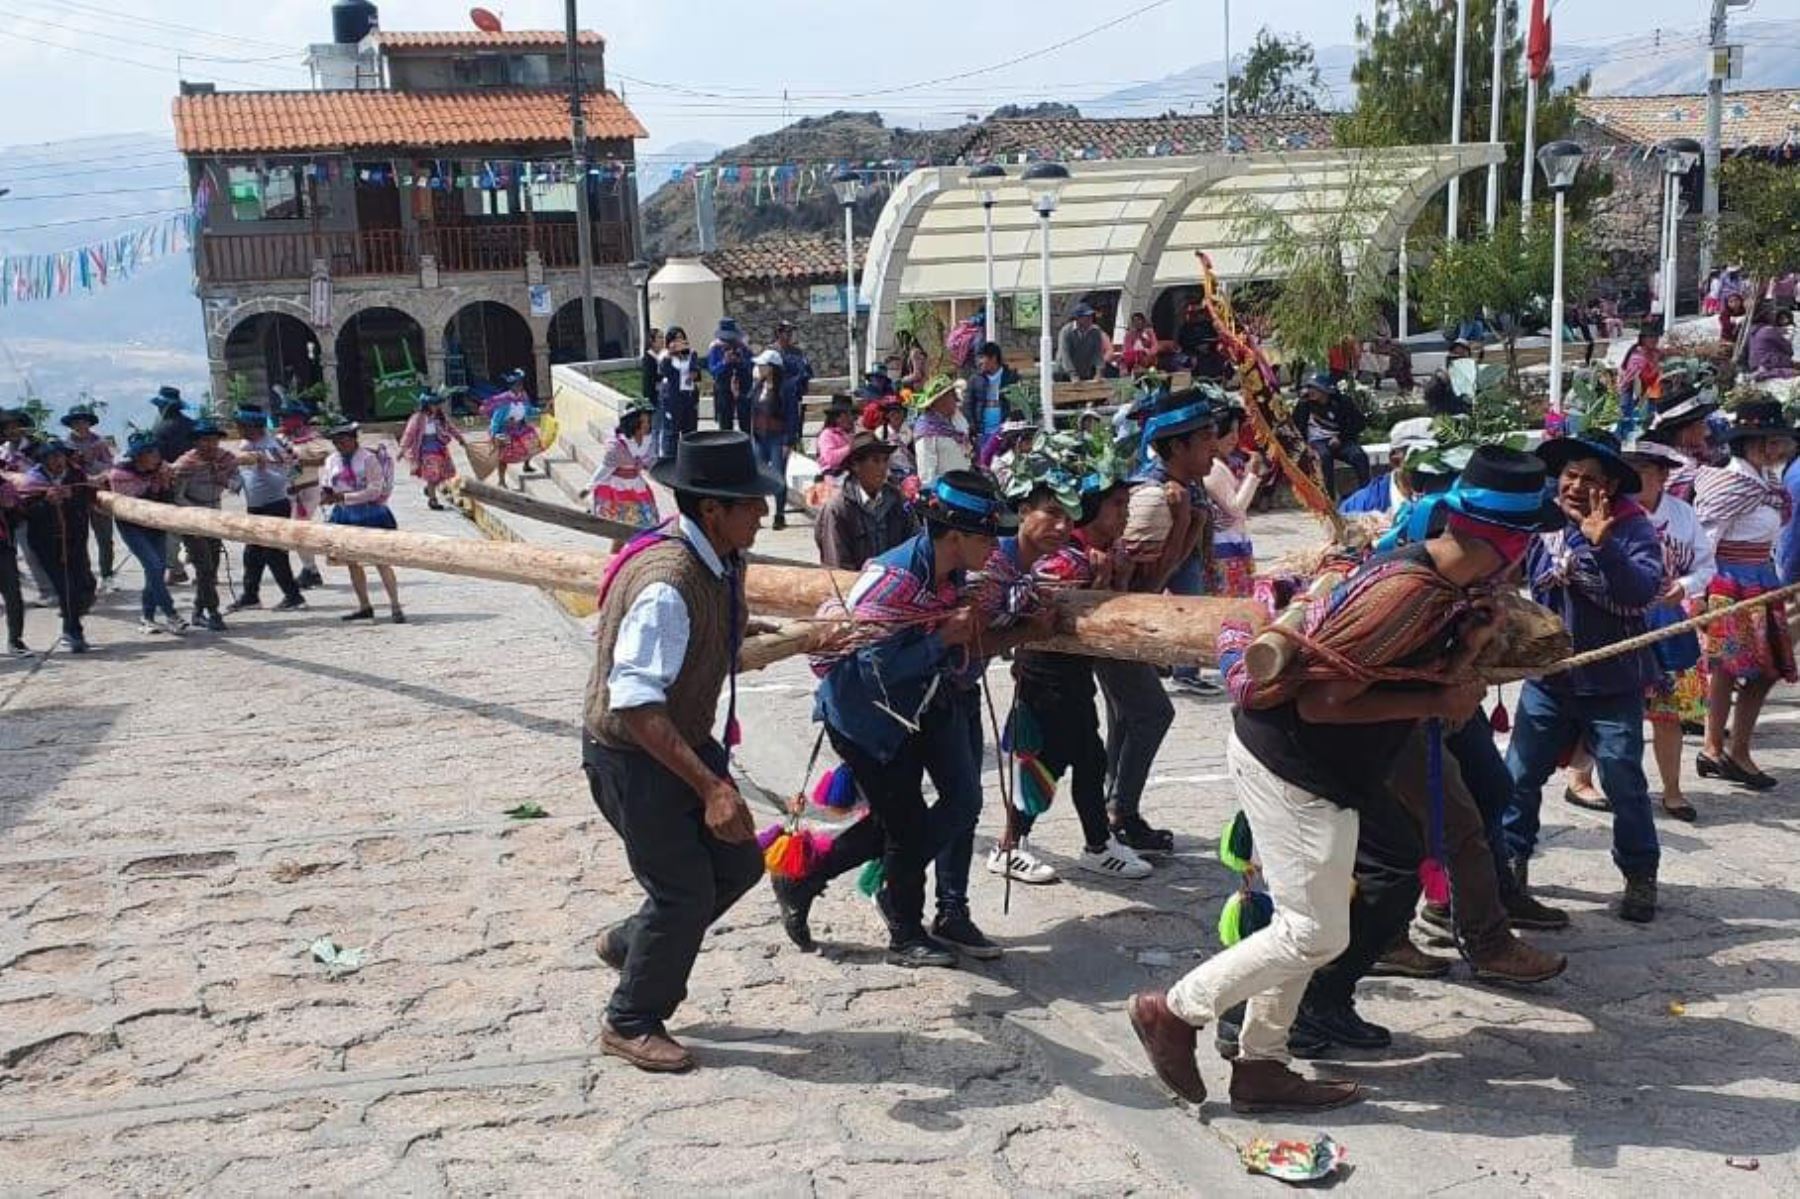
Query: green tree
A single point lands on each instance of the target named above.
(1406, 53)
(1759, 216)
(1278, 76)
(1506, 277)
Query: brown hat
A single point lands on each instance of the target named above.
(864, 443)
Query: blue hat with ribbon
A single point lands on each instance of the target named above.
(168, 397)
(968, 501)
(427, 399)
(1321, 381)
(513, 376)
(1595, 444)
(250, 416)
(1505, 488)
(140, 442)
(728, 330)
(292, 407)
(206, 426)
(1178, 413)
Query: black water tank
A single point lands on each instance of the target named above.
(351, 21)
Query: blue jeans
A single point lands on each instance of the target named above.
(149, 547)
(1545, 726)
(772, 452)
(953, 762)
(1189, 579)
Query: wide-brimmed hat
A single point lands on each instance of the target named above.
(969, 502)
(1413, 433)
(40, 451)
(168, 397)
(718, 464)
(1505, 488)
(426, 399)
(515, 375)
(728, 330)
(1558, 452)
(864, 444)
(635, 405)
(1759, 418)
(140, 442)
(343, 428)
(1082, 309)
(14, 416)
(934, 390)
(79, 412)
(1644, 450)
(206, 426)
(1180, 412)
(250, 416)
(1682, 404)
(1319, 382)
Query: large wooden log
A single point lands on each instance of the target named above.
(1170, 630)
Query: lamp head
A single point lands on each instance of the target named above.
(987, 179)
(1044, 182)
(848, 186)
(1681, 155)
(1560, 160)
(639, 271)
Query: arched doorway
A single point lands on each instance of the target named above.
(272, 349)
(381, 363)
(482, 342)
(617, 339)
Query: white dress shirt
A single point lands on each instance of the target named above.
(653, 637)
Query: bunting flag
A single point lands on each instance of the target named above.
(28, 277)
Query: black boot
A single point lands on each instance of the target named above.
(1639, 903)
(1303, 1043)
(1339, 1024)
(1524, 912)
(795, 899)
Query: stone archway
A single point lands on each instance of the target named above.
(484, 340)
(272, 349)
(376, 346)
(612, 322)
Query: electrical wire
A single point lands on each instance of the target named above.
(129, 62)
(134, 40)
(94, 220)
(113, 14)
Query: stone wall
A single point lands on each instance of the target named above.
(1627, 225)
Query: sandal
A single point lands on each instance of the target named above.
(1727, 767)
(1593, 803)
(1682, 811)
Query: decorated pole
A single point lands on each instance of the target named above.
(1171, 630)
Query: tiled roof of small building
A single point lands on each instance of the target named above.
(787, 258)
(270, 122)
(1146, 137)
(1758, 119)
(480, 39)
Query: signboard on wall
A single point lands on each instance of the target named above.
(1026, 309)
(541, 304)
(321, 301)
(826, 299)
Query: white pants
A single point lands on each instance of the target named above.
(1307, 846)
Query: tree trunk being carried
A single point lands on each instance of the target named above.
(1171, 630)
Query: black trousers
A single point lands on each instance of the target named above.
(102, 523)
(63, 554)
(257, 557)
(689, 876)
(10, 593)
(1388, 851)
(204, 554)
(1071, 732)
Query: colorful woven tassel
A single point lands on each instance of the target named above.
(871, 878)
(1034, 786)
(766, 837)
(734, 733)
(1435, 880)
(836, 789)
(1236, 847)
(793, 854)
(1244, 913)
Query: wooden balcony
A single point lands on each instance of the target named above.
(247, 258)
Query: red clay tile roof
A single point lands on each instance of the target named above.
(477, 39)
(1753, 118)
(269, 122)
(1143, 137)
(789, 258)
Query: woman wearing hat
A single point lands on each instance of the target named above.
(772, 413)
(833, 446)
(143, 474)
(620, 489)
(94, 455)
(940, 433)
(1770, 354)
(671, 620)
(514, 430)
(867, 516)
(1742, 508)
(425, 445)
(1678, 696)
(357, 484)
(890, 425)
(58, 500)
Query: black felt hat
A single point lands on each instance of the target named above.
(1759, 418)
(967, 500)
(718, 464)
(1558, 452)
(1505, 488)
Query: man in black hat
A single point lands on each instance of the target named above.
(672, 618)
(867, 516)
(1601, 571)
(1681, 423)
(94, 455)
(174, 434)
(1310, 753)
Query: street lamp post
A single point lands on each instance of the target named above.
(639, 272)
(987, 179)
(1680, 155)
(1560, 161)
(1044, 182)
(848, 186)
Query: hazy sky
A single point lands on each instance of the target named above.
(721, 67)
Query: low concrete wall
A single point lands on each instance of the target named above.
(585, 403)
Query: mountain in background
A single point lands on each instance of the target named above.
(655, 162)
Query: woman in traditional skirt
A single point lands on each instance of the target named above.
(514, 430)
(620, 489)
(1743, 511)
(357, 482)
(425, 445)
(1232, 486)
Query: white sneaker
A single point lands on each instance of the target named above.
(149, 627)
(1117, 860)
(1025, 867)
(176, 625)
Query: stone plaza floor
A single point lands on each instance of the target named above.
(181, 819)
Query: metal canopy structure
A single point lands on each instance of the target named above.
(1132, 225)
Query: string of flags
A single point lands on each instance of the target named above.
(28, 277)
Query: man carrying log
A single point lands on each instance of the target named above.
(1391, 647)
(672, 618)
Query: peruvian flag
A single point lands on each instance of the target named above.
(1537, 44)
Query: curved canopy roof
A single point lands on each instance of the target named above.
(1134, 224)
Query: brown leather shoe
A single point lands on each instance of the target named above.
(1168, 1042)
(1514, 962)
(1265, 1086)
(656, 1052)
(1403, 959)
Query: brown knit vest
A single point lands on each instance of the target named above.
(692, 700)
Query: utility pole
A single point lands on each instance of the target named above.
(1716, 72)
(584, 217)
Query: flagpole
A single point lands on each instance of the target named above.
(1537, 61)
(1496, 88)
(1456, 107)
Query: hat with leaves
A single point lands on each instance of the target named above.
(1064, 464)
(933, 391)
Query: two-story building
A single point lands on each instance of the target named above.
(417, 210)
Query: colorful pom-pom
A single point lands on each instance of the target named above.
(1244, 913)
(836, 789)
(767, 836)
(871, 878)
(734, 733)
(1435, 880)
(1236, 846)
(792, 855)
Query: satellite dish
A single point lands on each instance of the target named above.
(484, 20)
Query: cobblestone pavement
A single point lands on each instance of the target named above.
(182, 819)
